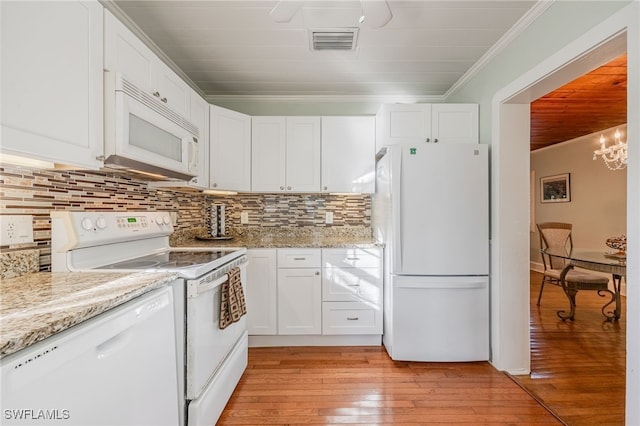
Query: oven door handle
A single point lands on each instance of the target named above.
(196, 287)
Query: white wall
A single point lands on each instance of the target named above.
(598, 206)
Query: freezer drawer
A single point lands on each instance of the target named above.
(439, 319)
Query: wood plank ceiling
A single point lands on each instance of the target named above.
(591, 103)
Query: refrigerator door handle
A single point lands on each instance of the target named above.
(396, 203)
(444, 286)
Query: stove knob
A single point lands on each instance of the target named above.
(87, 224)
(159, 220)
(167, 220)
(101, 223)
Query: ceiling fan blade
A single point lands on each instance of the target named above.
(284, 10)
(377, 13)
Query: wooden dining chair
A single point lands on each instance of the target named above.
(557, 236)
(553, 236)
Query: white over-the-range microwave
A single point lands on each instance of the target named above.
(145, 135)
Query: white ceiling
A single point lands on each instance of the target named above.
(235, 49)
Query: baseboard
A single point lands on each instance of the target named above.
(316, 340)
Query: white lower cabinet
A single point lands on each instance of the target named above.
(314, 296)
(262, 277)
(352, 291)
(299, 292)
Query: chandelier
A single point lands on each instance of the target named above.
(614, 156)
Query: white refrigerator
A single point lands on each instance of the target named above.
(431, 209)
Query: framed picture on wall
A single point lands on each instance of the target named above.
(555, 189)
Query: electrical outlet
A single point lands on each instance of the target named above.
(174, 218)
(244, 218)
(16, 229)
(328, 219)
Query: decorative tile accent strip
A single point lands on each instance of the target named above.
(37, 192)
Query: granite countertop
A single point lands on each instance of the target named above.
(38, 305)
(356, 237)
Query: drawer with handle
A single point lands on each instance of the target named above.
(351, 318)
(299, 258)
(352, 284)
(351, 258)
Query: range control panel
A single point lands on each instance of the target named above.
(84, 229)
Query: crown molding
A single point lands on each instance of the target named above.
(326, 98)
(518, 28)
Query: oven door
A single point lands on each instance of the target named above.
(207, 345)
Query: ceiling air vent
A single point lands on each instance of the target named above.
(334, 39)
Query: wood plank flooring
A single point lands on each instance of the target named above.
(577, 367)
(577, 371)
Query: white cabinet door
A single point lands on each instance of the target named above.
(268, 154)
(230, 150)
(173, 90)
(303, 154)
(126, 53)
(348, 154)
(285, 154)
(261, 292)
(454, 123)
(199, 113)
(403, 123)
(52, 72)
(299, 301)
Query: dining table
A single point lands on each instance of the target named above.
(610, 262)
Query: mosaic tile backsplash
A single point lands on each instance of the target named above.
(37, 192)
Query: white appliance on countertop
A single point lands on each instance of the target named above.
(115, 369)
(213, 359)
(431, 209)
(143, 134)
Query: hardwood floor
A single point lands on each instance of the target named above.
(577, 371)
(577, 367)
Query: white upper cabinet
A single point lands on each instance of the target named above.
(52, 81)
(348, 154)
(420, 123)
(285, 154)
(268, 153)
(229, 150)
(199, 113)
(454, 123)
(126, 53)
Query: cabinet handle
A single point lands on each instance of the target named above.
(353, 258)
(164, 100)
(282, 188)
(299, 258)
(435, 140)
(428, 140)
(288, 188)
(215, 185)
(317, 273)
(353, 285)
(352, 318)
(156, 94)
(325, 188)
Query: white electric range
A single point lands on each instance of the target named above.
(211, 361)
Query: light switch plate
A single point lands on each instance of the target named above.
(16, 229)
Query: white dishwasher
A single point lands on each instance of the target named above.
(118, 368)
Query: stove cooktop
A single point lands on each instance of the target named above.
(189, 263)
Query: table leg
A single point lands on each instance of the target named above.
(617, 280)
